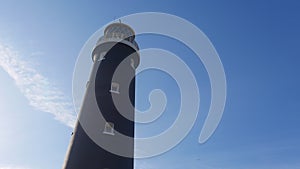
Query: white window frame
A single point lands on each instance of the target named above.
(109, 128)
(101, 56)
(115, 88)
(132, 63)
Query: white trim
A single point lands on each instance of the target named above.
(109, 128)
(115, 88)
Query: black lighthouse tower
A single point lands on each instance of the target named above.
(102, 124)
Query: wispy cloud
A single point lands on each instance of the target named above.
(41, 94)
(37, 53)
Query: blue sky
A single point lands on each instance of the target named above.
(257, 42)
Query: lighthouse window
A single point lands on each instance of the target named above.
(95, 57)
(132, 63)
(101, 57)
(115, 88)
(109, 128)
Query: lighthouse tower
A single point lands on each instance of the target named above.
(100, 118)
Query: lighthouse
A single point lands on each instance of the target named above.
(105, 123)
